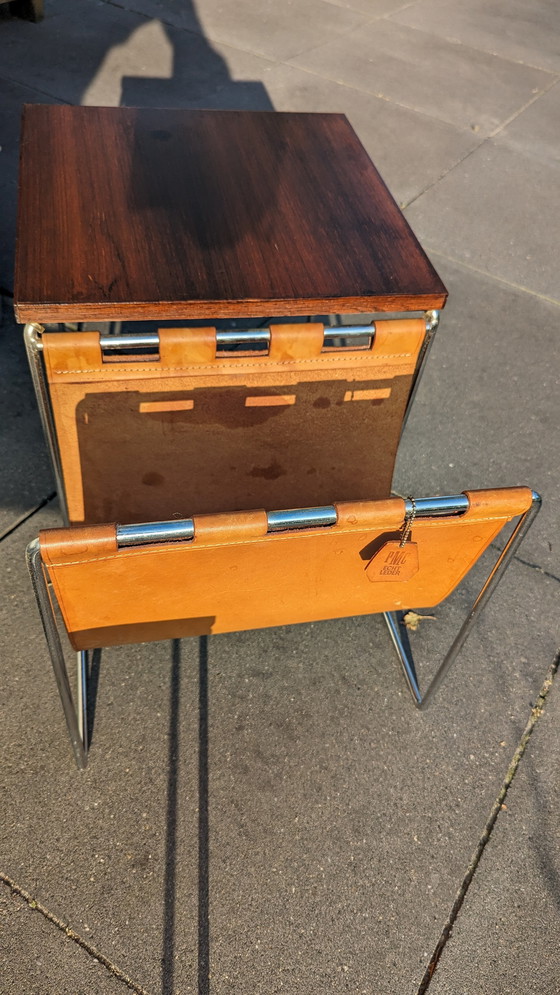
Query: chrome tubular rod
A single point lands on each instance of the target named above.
(349, 331)
(147, 532)
(82, 663)
(492, 581)
(404, 656)
(33, 347)
(238, 336)
(242, 336)
(302, 518)
(432, 323)
(292, 518)
(46, 611)
(438, 507)
(432, 320)
(143, 340)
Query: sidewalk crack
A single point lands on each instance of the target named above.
(28, 514)
(535, 566)
(491, 276)
(526, 563)
(16, 889)
(536, 712)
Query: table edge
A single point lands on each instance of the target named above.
(191, 310)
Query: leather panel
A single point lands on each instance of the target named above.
(192, 431)
(233, 577)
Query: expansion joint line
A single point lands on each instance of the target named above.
(534, 717)
(28, 514)
(16, 889)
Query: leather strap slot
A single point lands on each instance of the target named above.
(269, 400)
(373, 394)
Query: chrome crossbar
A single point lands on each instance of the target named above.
(438, 507)
(296, 518)
(239, 336)
(147, 532)
(142, 340)
(301, 518)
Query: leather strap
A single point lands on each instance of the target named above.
(60, 546)
(76, 357)
(73, 352)
(184, 346)
(223, 528)
(511, 501)
(385, 515)
(295, 341)
(388, 329)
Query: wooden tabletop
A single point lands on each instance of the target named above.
(151, 214)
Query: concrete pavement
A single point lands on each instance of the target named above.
(266, 811)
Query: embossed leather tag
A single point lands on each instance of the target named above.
(394, 562)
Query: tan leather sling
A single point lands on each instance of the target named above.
(234, 575)
(193, 431)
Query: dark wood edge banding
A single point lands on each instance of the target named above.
(193, 310)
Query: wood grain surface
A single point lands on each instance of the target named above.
(148, 214)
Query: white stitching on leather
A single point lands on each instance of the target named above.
(166, 547)
(245, 366)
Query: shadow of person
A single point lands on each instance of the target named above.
(193, 181)
(182, 176)
(178, 68)
(194, 74)
(201, 158)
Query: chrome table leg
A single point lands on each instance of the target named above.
(395, 625)
(76, 722)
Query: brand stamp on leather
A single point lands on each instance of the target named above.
(394, 562)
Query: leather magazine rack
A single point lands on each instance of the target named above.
(149, 427)
(190, 429)
(352, 558)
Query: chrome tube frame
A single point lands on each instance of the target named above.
(293, 518)
(149, 532)
(301, 518)
(432, 324)
(34, 347)
(76, 719)
(226, 337)
(397, 631)
(81, 676)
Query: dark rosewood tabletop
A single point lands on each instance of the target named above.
(151, 214)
